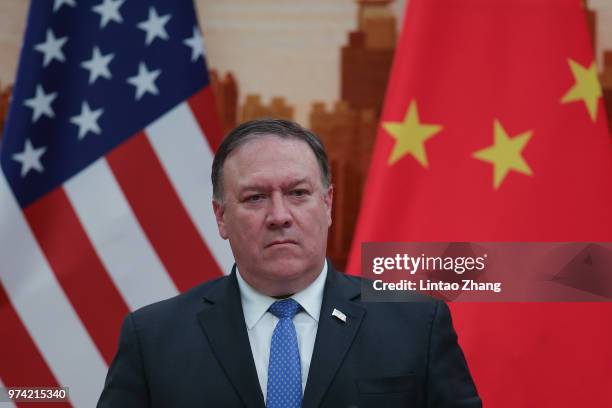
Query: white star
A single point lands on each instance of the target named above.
(196, 43)
(30, 158)
(144, 81)
(52, 48)
(109, 11)
(87, 120)
(41, 103)
(154, 26)
(57, 4)
(98, 65)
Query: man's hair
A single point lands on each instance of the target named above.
(253, 129)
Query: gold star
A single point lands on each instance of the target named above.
(505, 154)
(585, 89)
(410, 136)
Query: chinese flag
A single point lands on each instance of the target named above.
(494, 130)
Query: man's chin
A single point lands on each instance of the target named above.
(280, 273)
(286, 269)
(282, 256)
(289, 269)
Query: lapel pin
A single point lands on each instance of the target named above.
(339, 315)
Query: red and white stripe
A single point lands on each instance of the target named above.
(133, 228)
(7, 404)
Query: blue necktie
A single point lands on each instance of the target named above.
(284, 370)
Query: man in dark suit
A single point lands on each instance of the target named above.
(284, 329)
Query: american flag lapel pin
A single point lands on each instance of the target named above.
(339, 315)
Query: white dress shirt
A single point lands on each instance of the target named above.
(261, 323)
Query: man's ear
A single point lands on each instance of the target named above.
(328, 199)
(219, 210)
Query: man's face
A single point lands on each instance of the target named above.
(275, 213)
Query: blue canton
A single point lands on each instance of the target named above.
(91, 75)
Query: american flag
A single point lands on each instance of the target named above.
(105, 198)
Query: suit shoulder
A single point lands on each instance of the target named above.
(191, 300)
(350, 279)
(413, 307)
(412, 297)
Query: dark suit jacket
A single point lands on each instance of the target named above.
(193, 351)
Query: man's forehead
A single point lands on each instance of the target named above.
(265, 151)
(261, 182)
(265, 141)
(271, 161)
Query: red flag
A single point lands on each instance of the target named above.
(494, 130)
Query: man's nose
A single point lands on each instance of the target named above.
(279, 215)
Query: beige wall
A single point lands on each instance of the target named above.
(276, 47)
(12, 23)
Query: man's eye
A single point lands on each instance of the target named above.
(299, 193)
(255, 197)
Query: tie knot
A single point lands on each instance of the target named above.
(285, 308)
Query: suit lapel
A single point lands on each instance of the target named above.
(334, 337)
(223, 324)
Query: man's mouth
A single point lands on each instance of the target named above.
(281, 242)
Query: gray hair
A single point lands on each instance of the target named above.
(264, 127)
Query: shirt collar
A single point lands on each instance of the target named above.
(255, 304)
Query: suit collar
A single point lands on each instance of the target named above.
(334, 337)
(223, 324)
(256, 304)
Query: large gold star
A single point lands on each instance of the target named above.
(410, 136)
(586, 88)
(505, 154)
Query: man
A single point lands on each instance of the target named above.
(284, 329)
